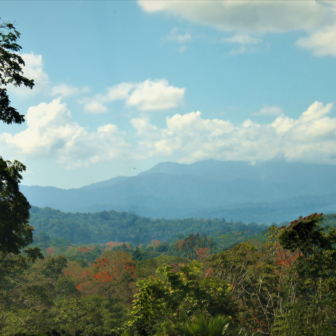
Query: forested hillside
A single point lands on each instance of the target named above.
(185, 287)
(106, 226)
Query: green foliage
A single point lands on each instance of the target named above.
(164, 300)
(281, 285)
(25, 322)
(15, 231)
(37, 295)
(92, 316)
(163, 247)
(316, 247)
(107, 226)
(11, 65)
(193, 246)
(66, 287)
(305, 318)
(53, 267)
(78, 254)
(312, 310)
(201, 326)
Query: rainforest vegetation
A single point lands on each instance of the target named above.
(283, 284)
(102, 227)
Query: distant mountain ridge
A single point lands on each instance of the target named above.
(263, 193)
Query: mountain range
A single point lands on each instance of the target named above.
(262, 193)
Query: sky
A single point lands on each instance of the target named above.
(123, 85)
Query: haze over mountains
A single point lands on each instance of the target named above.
(261, 193)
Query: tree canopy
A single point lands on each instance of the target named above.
(15, 231)
(11, 72)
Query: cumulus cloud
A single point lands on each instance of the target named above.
(120, 91)
(156, 95)
(189, 138)
(146, 96)
(65, 90)
(246, 16)
(34, 69)
(269, 111)
(51, 132)
(95, 107)
(116, 92)
(317, 18)
(321, 42)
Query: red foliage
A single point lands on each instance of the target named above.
(286, 258)
(112, 267)
(111, 245)
(180, 242)
(50, 250)
(203, 253)
(209, 272)
(83, 285)
(85, 248)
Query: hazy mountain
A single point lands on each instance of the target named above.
(104, 184)
(272, 191)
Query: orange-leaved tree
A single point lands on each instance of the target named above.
(113, 266)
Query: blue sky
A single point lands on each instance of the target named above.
(123, 85)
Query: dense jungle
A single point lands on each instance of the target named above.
(235, 279)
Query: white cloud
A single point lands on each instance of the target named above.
(120, 91)
(247, 43)
(241, 39)
(269, 111)
(317, 18)
(321, 42)
(143, 126)
(146, 96)
(33, 69)
(116, 92)
(189, 138)
(65, 90)
(51, 132)
(246, 16)
(156, 95)
(95, 107)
